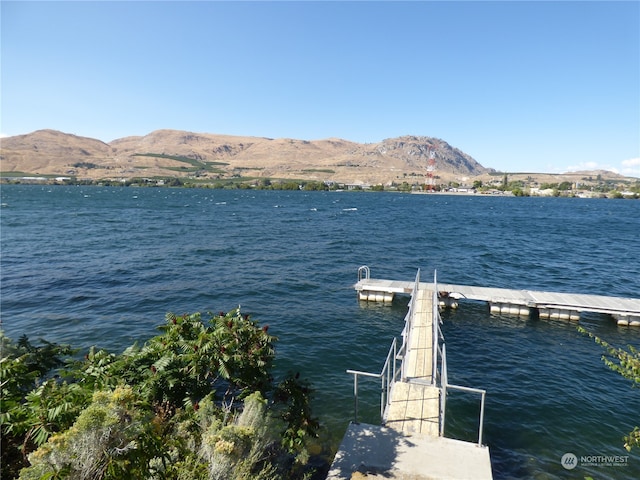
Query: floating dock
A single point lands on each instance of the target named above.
(409, 443)
(554, 305)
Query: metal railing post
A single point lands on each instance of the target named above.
(435, 342)
(481, 418)
(395, 358)
(355, 398)
(383, 399)
(443, 380)
(391, 374)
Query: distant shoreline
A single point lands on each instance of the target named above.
(316, 186)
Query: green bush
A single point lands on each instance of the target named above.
(196, 401)
(625, 363)
(33, 405)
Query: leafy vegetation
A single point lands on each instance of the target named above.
(87, 165)
(563, 186)
(197, 401)
(196, 165)
(627, 364)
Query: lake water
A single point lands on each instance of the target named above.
(98, 265)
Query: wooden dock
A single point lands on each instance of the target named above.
(415, 403)
(555, 305)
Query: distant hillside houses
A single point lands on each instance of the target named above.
(40, 179)
(462, 189)
(542, 192)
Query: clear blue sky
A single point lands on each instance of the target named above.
(520, 86)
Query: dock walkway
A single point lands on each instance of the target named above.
(415, 404)
(409, 445)
(626, 311)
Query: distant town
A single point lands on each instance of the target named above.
(176, 158)
(597, 188)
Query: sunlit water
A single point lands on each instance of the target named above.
(97, 265)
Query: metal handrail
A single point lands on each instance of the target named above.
(443, 395)
(481, 419)
(363, 273)
(444, 377)
(390, 371)
(406, 338)
(355, 389)
(436, 334)
(388, 375)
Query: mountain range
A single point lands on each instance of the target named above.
(175, 153)
(180, 153)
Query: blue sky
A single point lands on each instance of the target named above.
(520, 86)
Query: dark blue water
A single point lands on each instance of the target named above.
(97, 265)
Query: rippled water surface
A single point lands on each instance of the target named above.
(96, 265)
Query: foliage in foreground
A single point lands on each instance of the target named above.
(196, 402)
(627, 364)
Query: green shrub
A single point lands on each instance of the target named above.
(196, 401)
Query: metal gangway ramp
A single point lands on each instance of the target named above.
(410, 442)
(414, 404)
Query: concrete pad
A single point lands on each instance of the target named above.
(373, 452)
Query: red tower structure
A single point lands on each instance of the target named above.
(431, 168)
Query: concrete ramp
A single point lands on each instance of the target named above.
(383, 453)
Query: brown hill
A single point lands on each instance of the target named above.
(179, 153)
(49, 151)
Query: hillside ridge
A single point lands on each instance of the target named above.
(185, 154)
(168, 152)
